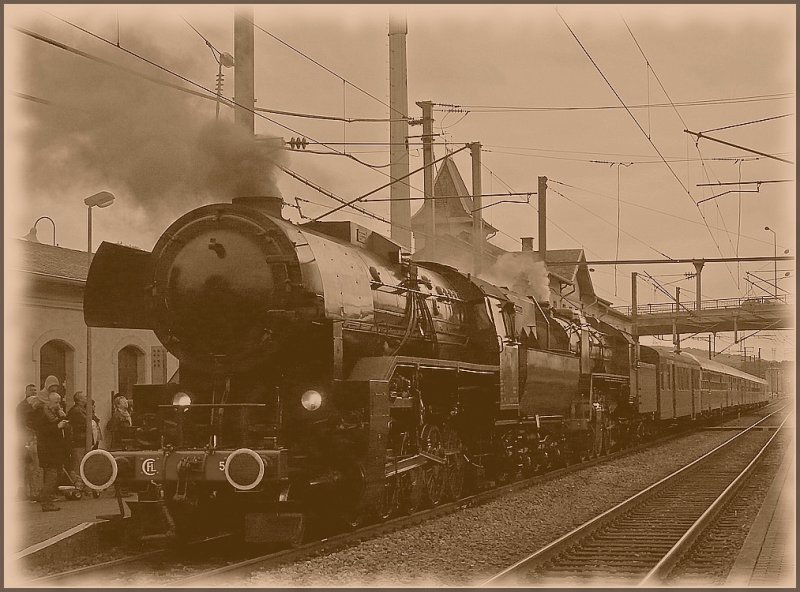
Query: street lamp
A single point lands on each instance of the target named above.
(31, 236)
(775, 253)
(102, 199)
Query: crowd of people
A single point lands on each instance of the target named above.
(53, 439)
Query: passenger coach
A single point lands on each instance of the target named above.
(670, 386)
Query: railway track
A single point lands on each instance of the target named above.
(640, 540)
(714, 553)
(131, 565)
(203, 563)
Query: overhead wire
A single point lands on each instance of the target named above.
(718, 101)
(339, 76)
(637, 239)
(628, 156)
(655, 75)
(716, 129)
(535, 209)
(736, 281)
(185, 79)
(654, 210)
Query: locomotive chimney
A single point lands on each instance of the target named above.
(527, 243)
(268, 204)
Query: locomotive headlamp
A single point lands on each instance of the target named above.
(311, 400)
(181, 399)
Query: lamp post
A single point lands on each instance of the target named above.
(31, 236)
(101, 200)
(775, 253)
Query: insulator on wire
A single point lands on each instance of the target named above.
(298, 143)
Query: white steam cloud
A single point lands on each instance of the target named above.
(159, 147)
(522, 272)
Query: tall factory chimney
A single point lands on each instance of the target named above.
(244, 67)
(400, 205)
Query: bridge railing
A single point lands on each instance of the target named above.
(715, 304)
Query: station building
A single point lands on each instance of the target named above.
(49, 334)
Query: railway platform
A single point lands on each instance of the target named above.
(33, 532)
(767, 557)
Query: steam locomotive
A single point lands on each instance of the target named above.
(324, 374)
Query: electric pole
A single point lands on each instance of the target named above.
(477, 207)
(427, 161)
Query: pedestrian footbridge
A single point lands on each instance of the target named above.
(713, 316)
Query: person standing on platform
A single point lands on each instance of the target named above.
(27, 441)
(120, 423)
(50, 423)
(77, 421)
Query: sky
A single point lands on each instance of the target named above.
(106, 130)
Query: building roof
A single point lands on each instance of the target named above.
(56, 262)
(564, 262)
(449, 184)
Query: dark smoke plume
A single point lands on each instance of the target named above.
(159, 147)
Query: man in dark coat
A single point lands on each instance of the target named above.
(49, 421)
(77, 421)
(27, 441)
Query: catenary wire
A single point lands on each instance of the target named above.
(340, 77)
(716, 129)
(654, 210)
(719, 101)
(185, 79)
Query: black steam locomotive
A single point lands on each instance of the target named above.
(322, 374)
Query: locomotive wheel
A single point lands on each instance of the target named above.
(455, 468)
(433, 474)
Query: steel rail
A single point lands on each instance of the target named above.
(344, 540)
(662, 569)
(96, 568)
(574, 535)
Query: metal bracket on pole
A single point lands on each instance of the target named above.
(634, 319)
(676, 335)
(698, 266)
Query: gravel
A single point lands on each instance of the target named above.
(715, 552)
(467, 547)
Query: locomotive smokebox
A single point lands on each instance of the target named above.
(225, 282)
(270, 205)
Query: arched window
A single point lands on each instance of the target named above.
(55, 359)
(130, 367)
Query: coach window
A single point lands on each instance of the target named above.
(130, 367)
